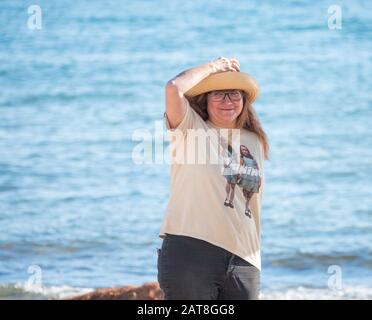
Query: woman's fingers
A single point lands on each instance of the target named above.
(235, 66)
(235, 63)
(235, 60)
(232, 64)
(226, 64)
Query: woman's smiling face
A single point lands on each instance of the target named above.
(224, 107)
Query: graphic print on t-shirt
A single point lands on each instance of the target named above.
(240, 170)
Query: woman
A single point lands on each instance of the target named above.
(210, 250)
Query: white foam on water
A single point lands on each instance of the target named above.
(25, 291)
(305, 293)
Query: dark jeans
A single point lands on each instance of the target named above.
(193, 269)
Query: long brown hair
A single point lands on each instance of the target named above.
(247, 119)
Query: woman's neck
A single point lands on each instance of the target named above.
(218, 125)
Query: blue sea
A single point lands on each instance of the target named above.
(77, 213)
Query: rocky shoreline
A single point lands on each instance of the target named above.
(147, 291)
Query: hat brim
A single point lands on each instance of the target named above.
(226, 81)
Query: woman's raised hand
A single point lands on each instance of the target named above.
(223, 64)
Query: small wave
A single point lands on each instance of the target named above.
(302, 260)
(23, 291)
(306, 293)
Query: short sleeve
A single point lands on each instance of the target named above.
(189, 120)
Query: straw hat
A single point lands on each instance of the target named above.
(225, 81)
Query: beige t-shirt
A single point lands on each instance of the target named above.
(200, 194)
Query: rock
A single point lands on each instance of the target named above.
(147, 291)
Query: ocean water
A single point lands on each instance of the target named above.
(76, 212)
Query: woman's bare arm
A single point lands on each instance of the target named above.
(176, 87)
